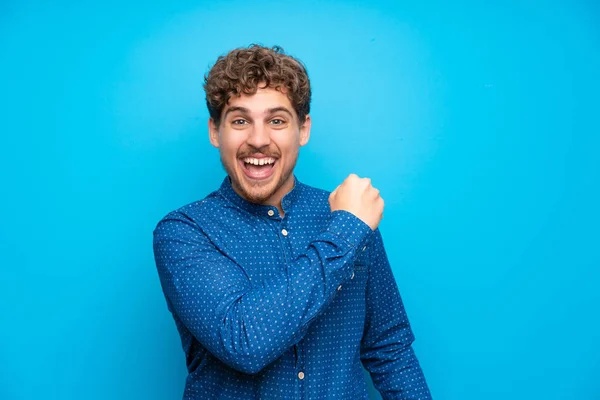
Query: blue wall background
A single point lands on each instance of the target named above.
(478, 122)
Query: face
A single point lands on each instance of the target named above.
(258, 139)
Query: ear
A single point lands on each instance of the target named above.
(305, 131)
(213, 133)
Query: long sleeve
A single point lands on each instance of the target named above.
(248, 324)
(386, 348)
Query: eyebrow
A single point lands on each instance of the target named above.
(247, 111)
(236, 108)
(277, 109)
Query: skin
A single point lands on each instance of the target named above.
(264, 124)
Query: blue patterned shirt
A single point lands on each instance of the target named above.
(284, 308)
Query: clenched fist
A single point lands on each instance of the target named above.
(357, 196)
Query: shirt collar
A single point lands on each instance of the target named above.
(288, 200)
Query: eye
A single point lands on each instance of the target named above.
(277, 121)
(239, 122)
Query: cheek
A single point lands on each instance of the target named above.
(287, 142)
(230, 144)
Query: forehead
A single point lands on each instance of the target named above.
(262, 100)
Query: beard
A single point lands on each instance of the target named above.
(257, 192)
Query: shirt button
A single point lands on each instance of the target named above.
(271, 213)
(284, 232)
(301, 375)
(352, 277)
(340, 287)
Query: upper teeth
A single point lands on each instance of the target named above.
(259, 161)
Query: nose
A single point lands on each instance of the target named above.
(259, 137)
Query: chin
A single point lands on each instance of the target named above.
(256, 191)
(257, 196)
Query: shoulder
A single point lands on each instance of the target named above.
(314, 194)
(194, 212)
(312, 203)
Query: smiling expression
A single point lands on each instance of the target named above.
(258, 138)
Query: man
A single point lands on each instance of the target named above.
(280, 290)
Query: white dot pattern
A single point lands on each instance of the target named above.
(284, 308)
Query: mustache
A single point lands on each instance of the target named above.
(251, 152)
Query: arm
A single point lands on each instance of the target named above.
(249, 325)
(386, 348)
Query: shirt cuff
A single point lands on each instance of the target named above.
(350, 228)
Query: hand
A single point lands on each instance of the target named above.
(357, 196)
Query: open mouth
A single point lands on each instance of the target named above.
(258, 168)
